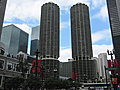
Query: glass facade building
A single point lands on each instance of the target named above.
(2, 12)
(15, 40)
(34, 40)
(114, 18)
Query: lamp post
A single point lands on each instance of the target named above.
(42, 77)
(37, 52)
(105, 74)
(55, 71)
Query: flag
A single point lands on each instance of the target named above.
(115, 63)
(73, 75)
(109, 63)
(34, 66)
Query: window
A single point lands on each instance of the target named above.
(0, 80)
(17, 68)
(11, 66)
(1, 64)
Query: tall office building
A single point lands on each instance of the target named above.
(2, 12)
(114, 18)
(15, 40)
(49, 30)
(34, 40)
(81, 38)
(102, 61)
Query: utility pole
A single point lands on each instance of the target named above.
(105, 74)
(37, 52)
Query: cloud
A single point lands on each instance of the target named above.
(31, 9)
(65, 3)
(64, 25)
(102, 14)
(97, 49)
(65, 54)
(101, 35)
(23, 9)
(24, 27)
(97, 3)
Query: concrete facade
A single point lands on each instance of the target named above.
(81, 42)
(8, 68)
(80, 32)
(49, 31)
(102, 60)
(2, 13)
(50, 68)
(86, 69)
(65, 70)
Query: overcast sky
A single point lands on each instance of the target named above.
(26, 14)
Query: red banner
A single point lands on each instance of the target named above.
(73, 75)
(109, 63)
(34, 66)
(115, 63)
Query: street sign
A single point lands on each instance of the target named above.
(111, 68)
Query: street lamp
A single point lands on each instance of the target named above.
(85, 78)
(37, 52)
(55, 70)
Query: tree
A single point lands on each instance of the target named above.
(32, 82)
(23, 66)
(14, 82)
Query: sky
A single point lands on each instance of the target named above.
(26, 14)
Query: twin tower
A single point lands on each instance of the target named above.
(50, 31)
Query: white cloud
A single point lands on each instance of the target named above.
(102, 14)
(23, 9)
(65, 54)
(97, 3)
(97, 49)
(24, 27)
(101, 35)
(64, 25)
(65, 3)
(31, 9)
